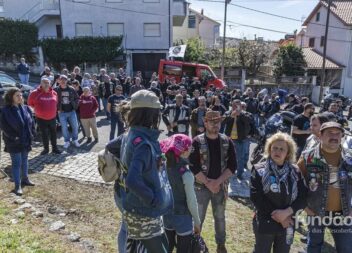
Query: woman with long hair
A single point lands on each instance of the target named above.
(146, 196)
(18, 129)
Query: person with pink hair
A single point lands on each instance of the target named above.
(183, 219)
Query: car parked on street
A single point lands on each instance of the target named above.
(7, 82)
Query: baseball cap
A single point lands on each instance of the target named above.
(331, 124)
(144, 99)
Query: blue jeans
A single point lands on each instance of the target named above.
(19, 166)
(182, 224)
(242, 154)
(342, 236)
(70, 117)
(24, 78)
(123, 233)
(98, 100)
(218, 204)
(116, 121)
(105, 104)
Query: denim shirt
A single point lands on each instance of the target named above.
(318, 178)
(146, 193)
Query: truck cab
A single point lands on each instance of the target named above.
(178, 69)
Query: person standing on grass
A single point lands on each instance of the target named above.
(44, 102)
(88, 106)
(184, 219)
(18, 129)
(146, 196)
(327, 169)
(277, 191)
(113, 108)
(213, 162)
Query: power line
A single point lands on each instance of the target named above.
(273, 14)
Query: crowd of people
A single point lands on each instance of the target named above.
(165, 188)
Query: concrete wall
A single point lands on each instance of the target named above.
(47, 27)
(73, 12)
(16, 9)
(209, 31)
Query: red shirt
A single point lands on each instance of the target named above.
(43, 103)
(88, 105)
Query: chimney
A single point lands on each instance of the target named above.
(202, 12)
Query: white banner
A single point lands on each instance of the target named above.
(177, 51)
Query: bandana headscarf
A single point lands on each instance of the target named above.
(177, 143)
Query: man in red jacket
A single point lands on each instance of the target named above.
(44, 102)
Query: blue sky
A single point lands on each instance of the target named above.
(297, 9)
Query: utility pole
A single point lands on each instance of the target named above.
(224, 42)
(324, 53)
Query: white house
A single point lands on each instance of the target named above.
(145, 24)
(196, 24)
(339, 43)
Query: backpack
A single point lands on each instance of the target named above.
(110, 166)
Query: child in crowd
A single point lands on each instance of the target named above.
(184, 218)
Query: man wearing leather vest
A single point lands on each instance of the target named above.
(328, 172)
(176, 117)
(213, 162)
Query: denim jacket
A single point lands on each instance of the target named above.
(318, 178)
(148, 192)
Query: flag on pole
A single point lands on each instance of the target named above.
(177, 51)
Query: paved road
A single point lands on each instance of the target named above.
(81, 163)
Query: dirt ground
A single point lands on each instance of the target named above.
(90, 211)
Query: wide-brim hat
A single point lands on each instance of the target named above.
(213, 116)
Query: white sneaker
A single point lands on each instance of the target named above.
(77, 145)
(66, 144)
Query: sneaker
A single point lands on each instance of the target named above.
(77, 145)
(66, 144)
(221, 248)
(44, 152)
(89, 140)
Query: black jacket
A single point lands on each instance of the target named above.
(245, 125)
(266, 203)
(17, 131)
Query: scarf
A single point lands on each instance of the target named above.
(281, 176)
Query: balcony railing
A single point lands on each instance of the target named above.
(44, 7)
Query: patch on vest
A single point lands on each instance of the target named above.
(261, 172)
(137, 140)
(182, 170)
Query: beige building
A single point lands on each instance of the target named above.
(196, 25)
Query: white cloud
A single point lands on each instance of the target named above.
(288, 4)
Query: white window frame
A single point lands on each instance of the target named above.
(107, 29)
(144, 29)
(91, 26)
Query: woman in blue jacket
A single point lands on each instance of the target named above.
(18, 129)
(147, 195)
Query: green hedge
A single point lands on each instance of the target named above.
(17, 37)
(76, 51)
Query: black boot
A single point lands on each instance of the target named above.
(18, 190)
(44, 152)
(27, 182)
